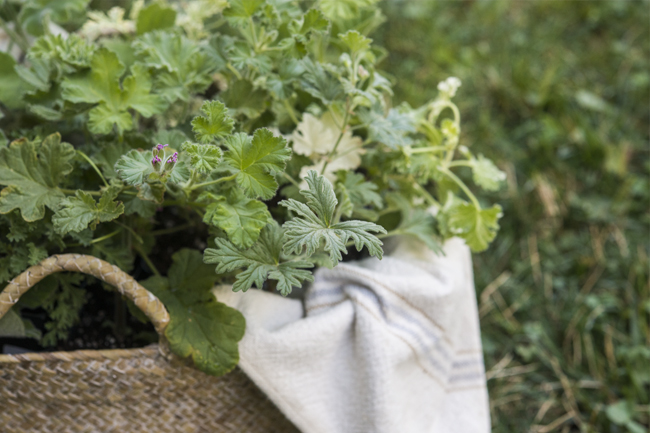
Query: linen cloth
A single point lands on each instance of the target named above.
(379, 346)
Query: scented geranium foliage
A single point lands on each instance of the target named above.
(261, 133)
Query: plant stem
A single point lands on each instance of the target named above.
(212, 182)
(381, 236)
(234, 71)
(98, 240)
(92, 164)
(183, 203)
(22, 42)
(251, 24)
(291, 179)
(108, 236)
(74, 191)
(130, 230)
(290, 110)
(462, 186)
(451, 106)
(171, 230)
(428, 149)
(428, 197)
(147, 260)
(459, 164)
(338, 141)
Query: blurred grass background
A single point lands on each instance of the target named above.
(558, 93)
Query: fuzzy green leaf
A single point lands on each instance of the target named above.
(320, 83)
(108, 156)
(135, 167)
(262, 261)
(215, 125)
(242, 97)
(486, 174)
(202, 328)
(182, 68)
(392, 130)
(102, 86)
(241, 10)
(12, 88)
(361, 193)
(11, 325)
(80, 211)
(313, 226)
(355, 41)
(312, 21)
(255, 160)
(477, 226)
(242, 219)
(32, 173)
(420, 224)
(203, 157)
(155, 17)
(343, 9)
(54, 52)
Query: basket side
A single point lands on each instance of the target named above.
(134, 390)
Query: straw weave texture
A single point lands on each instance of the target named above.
(135, 390)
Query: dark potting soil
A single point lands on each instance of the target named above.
(104, 323)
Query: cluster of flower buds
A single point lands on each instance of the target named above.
(449, 87)
(161, 161)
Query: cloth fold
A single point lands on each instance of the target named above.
(379, 346)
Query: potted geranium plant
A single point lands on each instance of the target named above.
(261, 131)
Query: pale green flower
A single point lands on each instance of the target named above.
(316, 139)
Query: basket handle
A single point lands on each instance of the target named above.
(111, 274)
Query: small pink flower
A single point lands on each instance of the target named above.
(173, 159)
(161, 146)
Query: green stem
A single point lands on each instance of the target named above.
(251, 24)
(290, 110)
(234, 71)
(212, 182)
(428, 197)
(92, 164)
(98, 240)
(428, 149)
(22, 42)
(333, 116)
(147, 260)
(459, 164)
(380, 236)
(462, 186)
(338, 141)
(108, 236)
(130, 230)
(74, 191)
(183, 203)
(452, 107)
(171, 230)
(291, 179)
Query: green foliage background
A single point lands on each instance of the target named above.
(557, 94)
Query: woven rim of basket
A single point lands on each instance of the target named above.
(79, 355)
(110, 274)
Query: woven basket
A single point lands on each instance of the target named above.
(134, 390)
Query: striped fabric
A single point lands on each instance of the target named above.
(379, 346)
